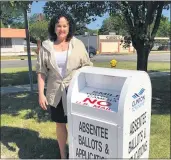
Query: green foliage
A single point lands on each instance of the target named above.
(2, 25)
(12, 13)
(80, 29)
(143, 19)
(83, 12)
(19, 25)
(115, 23)
(39, 30)
(92, 32)
(21, 5)
(164, 28)
(9, 14)
(35, 17)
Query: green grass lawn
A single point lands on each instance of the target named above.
(16, 76)
(20, 76)
(27, 132)
(152, 66)
(17, 57)
(160, 137)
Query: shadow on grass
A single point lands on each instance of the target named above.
(160, 95)
(25, 102)
(12, 104)
(18, 78)
(29, 144)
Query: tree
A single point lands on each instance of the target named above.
(19, 25)
(39, 30)
(92, 32)
(81, 11)
(2, 25)
(142, 18)
(115, 23)
(10, 15)
(36, 17)
(33, 18)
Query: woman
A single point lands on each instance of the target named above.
(59, 58)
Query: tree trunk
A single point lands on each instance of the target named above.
(38, 46)
(142, 58)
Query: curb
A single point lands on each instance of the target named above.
(130, 54)
(15, 59)
(10, 60)
(17, 89)
(109, 54)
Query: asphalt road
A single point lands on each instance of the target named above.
(164, 57)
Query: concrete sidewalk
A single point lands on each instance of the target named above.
(19, 88)
(25, 88)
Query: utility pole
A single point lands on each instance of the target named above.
(97, 45)
(28, 49)
(88, 43)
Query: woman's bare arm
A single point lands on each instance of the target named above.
(41, 85)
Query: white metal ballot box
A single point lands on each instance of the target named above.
(109, 114)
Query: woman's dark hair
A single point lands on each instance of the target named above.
(54, 20)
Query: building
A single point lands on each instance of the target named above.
(12, 41)
(89, 40)
(112, 44)
(106, 44)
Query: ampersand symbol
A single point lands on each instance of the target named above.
(106, 149)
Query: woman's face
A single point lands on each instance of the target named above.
(62, 28)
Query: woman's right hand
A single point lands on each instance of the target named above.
(43, 101)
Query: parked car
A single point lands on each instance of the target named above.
(155, 47)
(92, 51)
